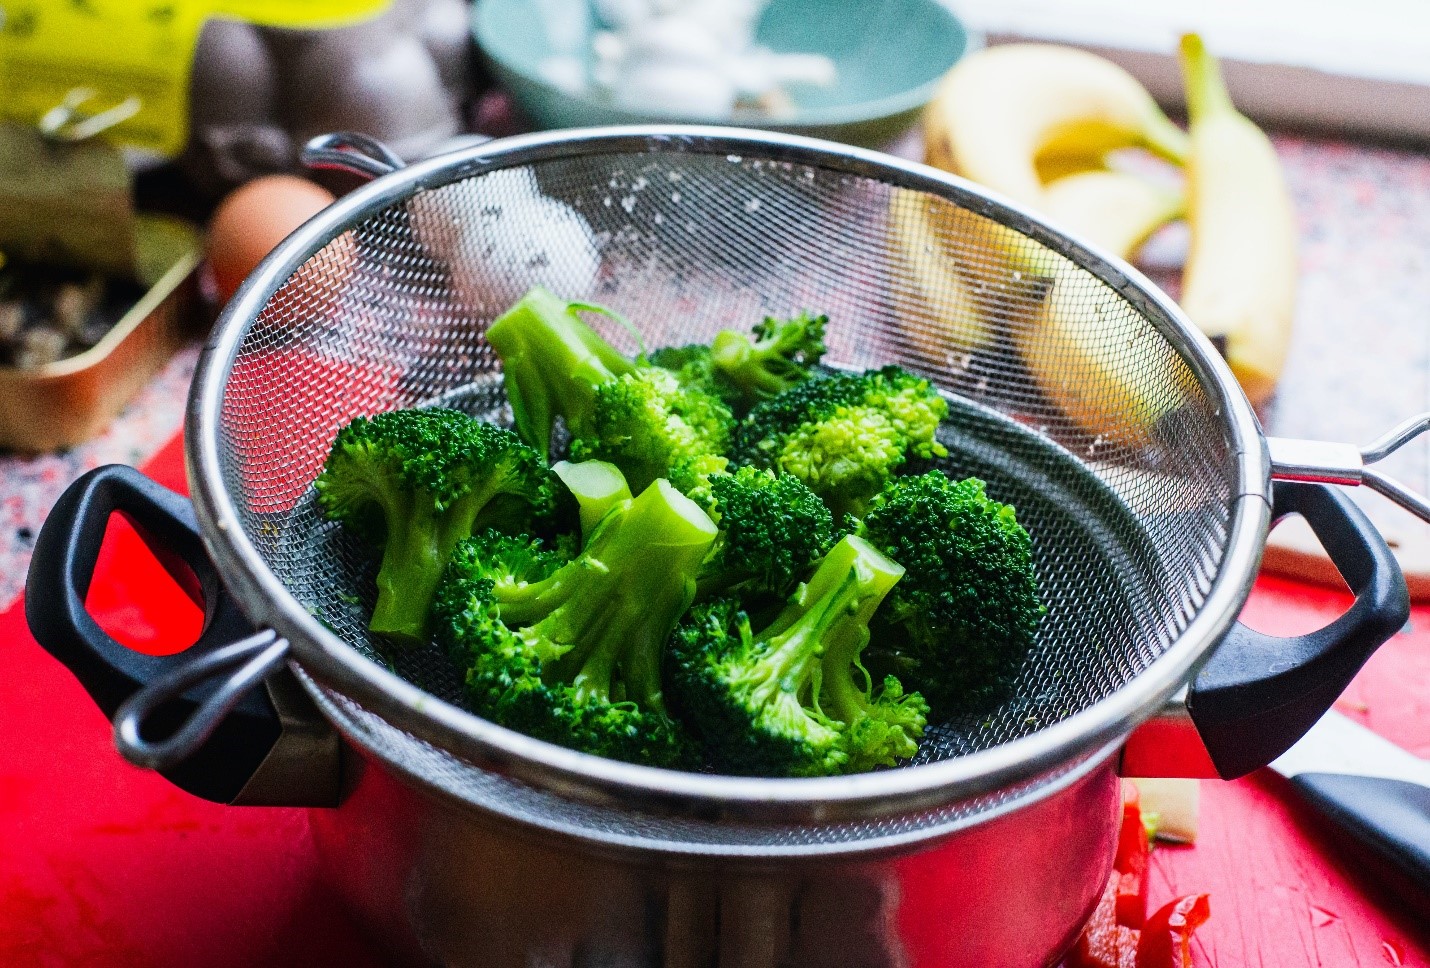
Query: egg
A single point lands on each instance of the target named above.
(253, 219)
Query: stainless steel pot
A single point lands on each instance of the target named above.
(1133, 459)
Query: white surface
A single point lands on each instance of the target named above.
(1357, 68)
(1382, 39)
(1340, 745)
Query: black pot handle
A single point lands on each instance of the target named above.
(1258, 694)
(219, 729)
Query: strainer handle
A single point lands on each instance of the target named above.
(228, 741)
(1347, 464)
(351, 152)
(1258, 694)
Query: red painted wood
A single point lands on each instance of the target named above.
(102, 864)
(1281, 896)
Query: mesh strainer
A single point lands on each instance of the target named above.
(1075, 389)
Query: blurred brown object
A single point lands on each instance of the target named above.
(66, 401)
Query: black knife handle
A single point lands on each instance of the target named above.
(1385, 823)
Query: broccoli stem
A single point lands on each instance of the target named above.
(796, 638)
(617, 603)
(748, 365)
(552, 363)
(420, 541)
(597, 487)
(877, 575)
(829, 614)
(779, 356)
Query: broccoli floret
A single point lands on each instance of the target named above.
(772, 531)
(844, 435)
(742, 370)
(573, 654)
(693, 476)
(649, 426)
(793, 699)
(963, 618)
(636, 416)
(415, 482)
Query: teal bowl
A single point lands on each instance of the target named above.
(889, 56)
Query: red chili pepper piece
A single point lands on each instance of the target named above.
(1104, 943)
(1132, 899)
(1131, 860)
(1167, 936)
(1128, 940)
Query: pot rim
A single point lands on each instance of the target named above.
(337, 666)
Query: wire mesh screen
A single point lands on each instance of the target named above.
(1064, 397)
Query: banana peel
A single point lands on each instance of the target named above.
(1113, 209)
(1011, 118)
(1036, 122)
(998, 110)
(1240, 277)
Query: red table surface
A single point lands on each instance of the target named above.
(103, 864)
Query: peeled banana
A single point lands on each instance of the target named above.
(998, 111)
(1240, 277)
(931, 239)
(1035, 122)
(1112, 209)
(1104, 368)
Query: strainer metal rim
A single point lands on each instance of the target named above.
(337, 665)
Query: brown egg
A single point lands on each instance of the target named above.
(253, 219)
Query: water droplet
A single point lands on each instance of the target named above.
(675, 196)
(606, 201)
(734, 159)
(629, 203)
(753, 205)
(639, 183)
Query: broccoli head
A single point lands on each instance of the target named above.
(844, 435)
(793, 699)
(772, 531)
(964, 617)
(572, 652)
(649, 425)
(414, 483)
(742, 370)
(639, 417)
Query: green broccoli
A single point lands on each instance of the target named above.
(415, 482)
(772, 531)
(638, 417)
(844, 435)
(596, 487)
(793, 699)
(961, 622)
(572, 653)
(743, 371)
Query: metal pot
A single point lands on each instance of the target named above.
(466, 844)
